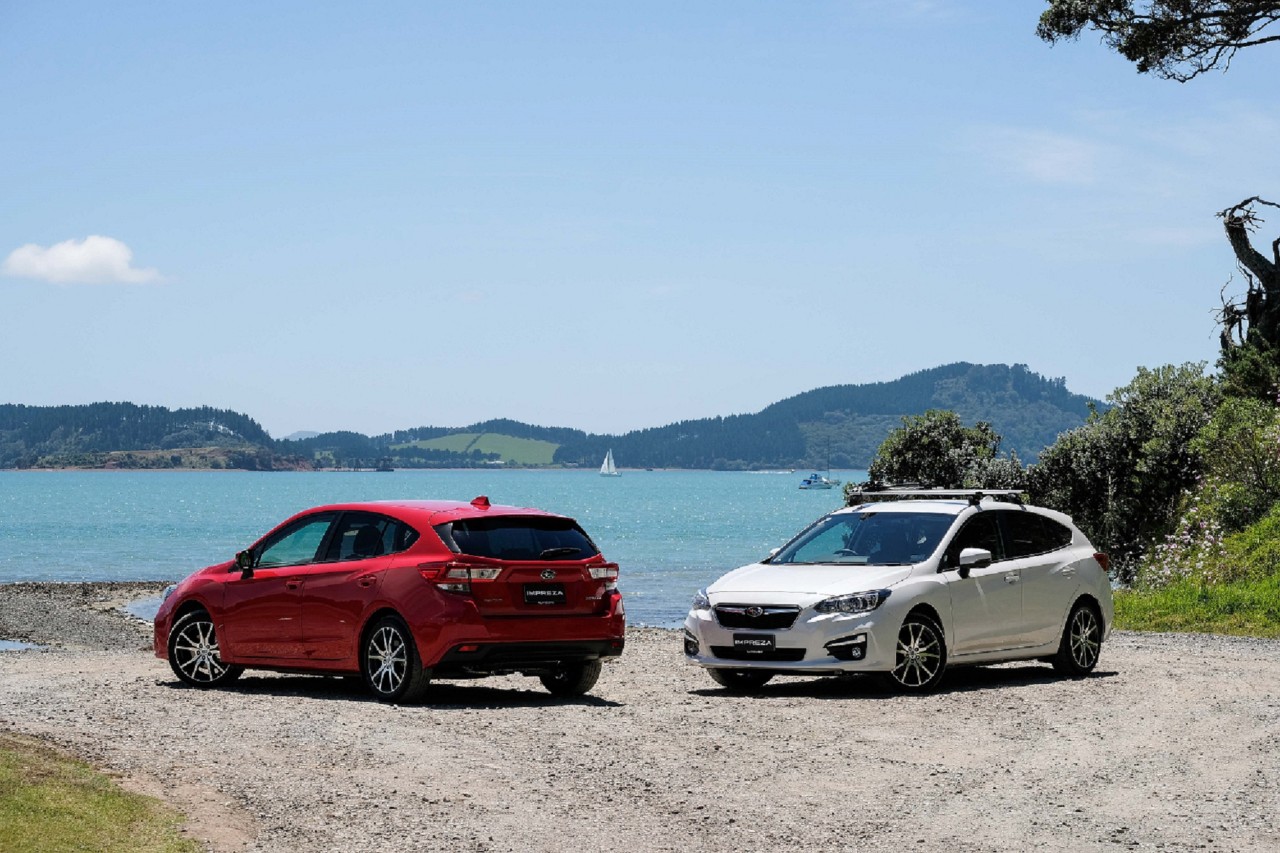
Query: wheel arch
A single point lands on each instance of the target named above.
(373, 618)
(923, 608)
(1088, 599)
(191, 605)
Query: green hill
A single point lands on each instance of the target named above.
(841, 425)
(846, 423)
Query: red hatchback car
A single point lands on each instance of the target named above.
(401, 592)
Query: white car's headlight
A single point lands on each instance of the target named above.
(858, 602)
(700, 600)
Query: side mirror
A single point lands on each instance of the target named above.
(244, 562)
(973, 558)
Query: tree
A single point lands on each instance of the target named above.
(936, 449)
(1172, 39)
(1250, 359)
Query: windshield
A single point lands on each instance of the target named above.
(870, 537)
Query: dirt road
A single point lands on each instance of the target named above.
(1173, 745)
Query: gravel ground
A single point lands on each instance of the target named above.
(1170, 746)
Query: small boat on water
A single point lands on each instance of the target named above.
(817, 481)
(608, 469)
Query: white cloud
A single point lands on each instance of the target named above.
(1051, 158)
(93, 260)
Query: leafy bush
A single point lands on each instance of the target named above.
(1227, 523)
(1123, 475)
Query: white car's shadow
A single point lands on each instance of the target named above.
(961, 679)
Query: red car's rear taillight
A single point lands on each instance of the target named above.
(454, 576)
(608, 572)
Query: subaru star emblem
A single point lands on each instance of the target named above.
(755, 612)
(548, 574)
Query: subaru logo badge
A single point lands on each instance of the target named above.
(755, 612)
(548, 574)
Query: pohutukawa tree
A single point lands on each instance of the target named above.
(1173, 39)
(1251, 325)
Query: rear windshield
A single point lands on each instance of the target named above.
(870, 537)
(518, 538)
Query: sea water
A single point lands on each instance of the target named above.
(672, 532)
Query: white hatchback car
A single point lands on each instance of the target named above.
(906, 584)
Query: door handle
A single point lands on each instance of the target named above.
(1012, 577)
(366, 580)
(293, 583)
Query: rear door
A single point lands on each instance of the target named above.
(337, 590)
(528, 565)
(1039, 545)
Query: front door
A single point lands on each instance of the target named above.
(986, 607)
(262, 612)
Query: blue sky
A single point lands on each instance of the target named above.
(599, 215)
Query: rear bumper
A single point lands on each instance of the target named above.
(519, 643)
(473, 659)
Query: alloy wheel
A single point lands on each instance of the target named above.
(388, 660)
(920, 655)
(195, 652)
(1084, 638)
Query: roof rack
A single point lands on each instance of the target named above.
(871, 494)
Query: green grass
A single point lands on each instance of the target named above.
(50, 803)
(1249, 608)
(520, 451)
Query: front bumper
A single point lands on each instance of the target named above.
(815, 644)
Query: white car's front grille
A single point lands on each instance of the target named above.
(756, 617)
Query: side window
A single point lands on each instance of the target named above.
(1029, 533)
(1058, 535)
(980, 531)
(361, 535)
(296, 544)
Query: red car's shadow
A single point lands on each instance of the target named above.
(459, 694)
(962, 679)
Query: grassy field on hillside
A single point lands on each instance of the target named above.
(1248, 608)
(518, 451)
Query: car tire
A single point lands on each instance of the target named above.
(1081, 642)
(921, 655)
(572, 680)
(740, 680)
(194, 655)
(390, 664)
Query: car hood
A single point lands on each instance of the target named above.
(806, 581)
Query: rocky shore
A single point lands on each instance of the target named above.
(1170, 746)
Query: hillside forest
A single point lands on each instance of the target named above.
(839, 426)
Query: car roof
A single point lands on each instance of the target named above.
(956, 506)
(942, 507)
(433, 512)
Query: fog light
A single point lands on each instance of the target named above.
(690, 644)
(848, 648)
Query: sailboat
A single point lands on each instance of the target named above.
(608, 469)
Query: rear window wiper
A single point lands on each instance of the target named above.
(564, 551)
